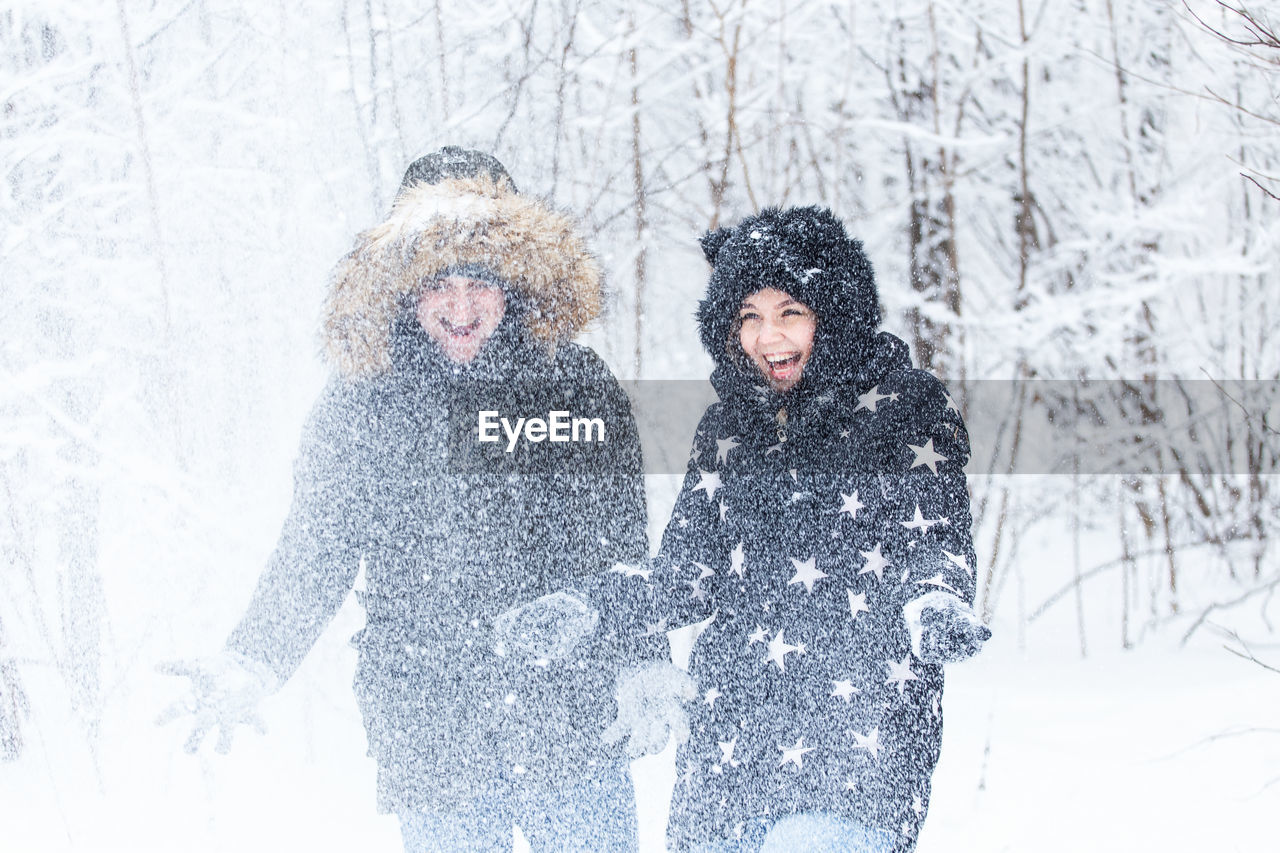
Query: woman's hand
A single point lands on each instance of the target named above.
(943, 628)
(651, 708)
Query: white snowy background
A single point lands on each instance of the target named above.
(1060, 189)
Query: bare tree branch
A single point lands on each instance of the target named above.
(1263, 35)
(1254, 181)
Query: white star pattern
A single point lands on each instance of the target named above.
(709, 483)
(919, 522)
(870, 399)
(960, 560)
(652, 629)
(857, 603)
(696, 592)
(723, 446)
(844, 690)
(951, 403)
(900, 673)
(631, 571)
(927, 456)
(737, 559)
(869, 742)
(779, 648)
(851, 504)
(795, 754)
(911, 553)
(726, 753)
(807, 573)
(939, 581)
(875, 562)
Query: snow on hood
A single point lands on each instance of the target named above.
(537, 251)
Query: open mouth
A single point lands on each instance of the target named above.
(783, 366)
(459, 331)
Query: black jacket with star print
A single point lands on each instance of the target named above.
(805, 523)
(805, 549)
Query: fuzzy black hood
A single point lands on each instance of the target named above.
(806, 253)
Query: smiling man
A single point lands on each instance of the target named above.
(466, 286)
(461, 311)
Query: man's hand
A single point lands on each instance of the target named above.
(224, 693)
(547, 628)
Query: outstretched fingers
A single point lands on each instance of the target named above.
(181, 708)
(192, 744)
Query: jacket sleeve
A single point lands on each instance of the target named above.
(926, 517)
(610, 517)
(317, 557)
(678, 586)
(613, 507)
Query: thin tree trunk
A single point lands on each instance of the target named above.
(1075, 533)
(638, 190)
(444, 66)
(1127, 569)
(370, 158)
(393, 90)
(994, 582)
(148, 172)
(1024, 225)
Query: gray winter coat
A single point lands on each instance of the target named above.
(452, 532)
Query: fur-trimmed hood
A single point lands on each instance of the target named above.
(534, 249)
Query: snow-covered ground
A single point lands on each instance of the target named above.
(1162, 748)
(1145, 750)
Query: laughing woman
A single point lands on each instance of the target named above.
(824, 523)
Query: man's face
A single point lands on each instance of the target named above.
(460, 314)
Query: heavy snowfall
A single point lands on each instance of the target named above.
(1071, 209)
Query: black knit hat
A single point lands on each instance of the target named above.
(804, 252)
(454, 162)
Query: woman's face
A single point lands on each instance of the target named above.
(776, 333)
(460, 314)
